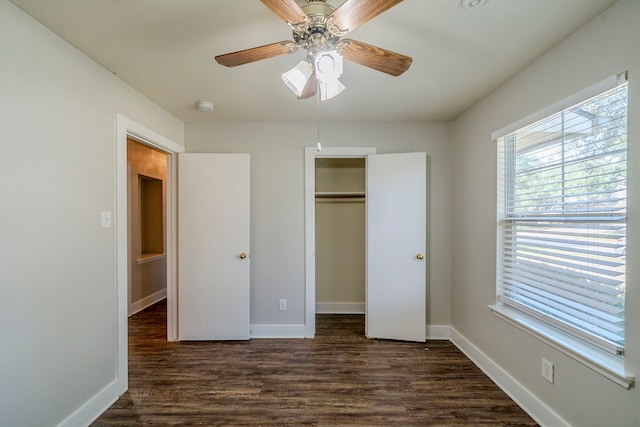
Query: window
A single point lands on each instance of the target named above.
(562, 184)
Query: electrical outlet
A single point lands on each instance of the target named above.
(547, 370)
(282, 305)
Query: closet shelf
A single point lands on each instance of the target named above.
(339, 194)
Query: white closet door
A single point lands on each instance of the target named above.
(213, 246)
(396, 244)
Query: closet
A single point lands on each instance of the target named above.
(340, 230)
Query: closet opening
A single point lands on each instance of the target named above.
(340, 239)
(392, 290)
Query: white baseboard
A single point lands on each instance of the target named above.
(278, 331)
(538, 410)
(147, 302)
(433, 332)
(340, 308)
(438, 332)
(96, 406)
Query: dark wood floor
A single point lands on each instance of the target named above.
(338, 378)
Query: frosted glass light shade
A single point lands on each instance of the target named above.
(297, 77)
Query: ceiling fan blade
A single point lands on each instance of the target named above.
(256, 54)
(310, 88)
(354, 13)
(287, 10)
(375, 57)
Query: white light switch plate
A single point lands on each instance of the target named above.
(106, 219)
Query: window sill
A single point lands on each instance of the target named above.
(605, 364)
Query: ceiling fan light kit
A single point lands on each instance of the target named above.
(318, 27)
(297, 77)
(330, 88)
(327, 67)
(328, 70)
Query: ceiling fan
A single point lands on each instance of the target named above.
(318, 27)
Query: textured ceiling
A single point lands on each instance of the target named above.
(165, 49)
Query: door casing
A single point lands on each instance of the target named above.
(127, 128)
(310, 155)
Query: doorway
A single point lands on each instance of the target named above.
(147, 190)
(395, 236)
(125, 129)
(311, 155)
(340, 235)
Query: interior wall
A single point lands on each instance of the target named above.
(340, 236)
(147, 267)
(57, 265)
(605, 47)
(277, 202)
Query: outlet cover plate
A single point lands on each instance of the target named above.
(547, 370)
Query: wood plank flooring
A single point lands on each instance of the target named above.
(338, 378)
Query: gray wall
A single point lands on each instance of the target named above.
(277, 202)
(606, 46)
(57, 266)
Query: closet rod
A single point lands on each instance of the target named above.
(339, 194)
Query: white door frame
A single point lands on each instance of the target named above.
(127, 128)
(310, 155)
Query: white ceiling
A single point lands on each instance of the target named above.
(165, 49)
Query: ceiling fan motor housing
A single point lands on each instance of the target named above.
(316, 33)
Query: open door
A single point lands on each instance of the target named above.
(213, 246)
(396, 246)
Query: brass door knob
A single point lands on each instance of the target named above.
(419, 256)
(243, 255)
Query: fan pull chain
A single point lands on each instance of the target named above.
(318, 145)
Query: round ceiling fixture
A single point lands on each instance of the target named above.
(473, 4)
(205, 106)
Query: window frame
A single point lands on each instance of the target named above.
(579, 348)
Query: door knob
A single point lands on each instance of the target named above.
(419, 256)
(243, 255)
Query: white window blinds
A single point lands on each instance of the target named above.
(562, 219)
